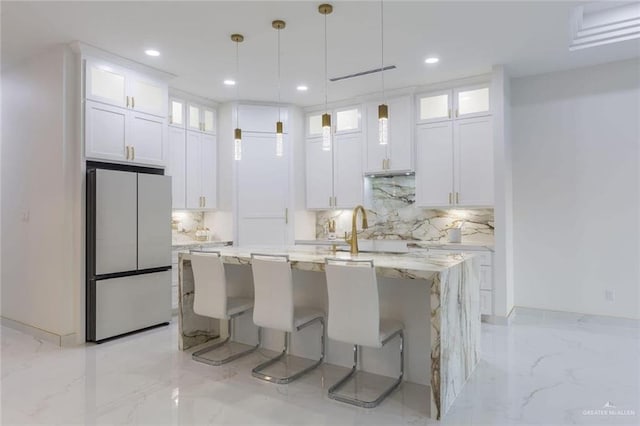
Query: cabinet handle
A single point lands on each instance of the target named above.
(450, 198)
(456, 112)
(383, 164)
(449, 112)
(127, 151)
(286, 215)
(133, 153)
(133, 102)
(388, 163)
(204, 201)
(127, 102)
(335, 201)
(457, 200)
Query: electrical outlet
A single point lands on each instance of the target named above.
(609, 295)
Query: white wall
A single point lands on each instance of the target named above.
(41, 194)
(576, 151)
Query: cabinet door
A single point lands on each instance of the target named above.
(154, 230)
(177, 166)
(209, 171)
(194, 117)
(177, 112)
(147, 95)
(400, 134)
(472, 101)
(347, 170)
(319, 175)
(376, 154)
(434, 106)
(116, 221)
(146, 136)
(105, 83)
(474, 161)
(194, 170)
(434, 165)
(105, 131)
(208, 120)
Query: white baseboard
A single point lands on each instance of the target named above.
(47, 336)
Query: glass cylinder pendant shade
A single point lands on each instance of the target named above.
(279, 139)
(237, 144)
(326, 132)
(383, 124)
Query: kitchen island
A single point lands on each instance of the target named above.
(436, 297)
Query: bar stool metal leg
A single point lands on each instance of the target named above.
(197, 355)
(257, 372)
(368, 404)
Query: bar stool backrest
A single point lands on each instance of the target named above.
(273, 291)
(354, 311)
(210, 285)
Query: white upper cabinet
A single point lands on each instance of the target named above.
(472, 101)
(105, 83)
(434, 106)
(177, 112)
(200, 118)
(125, 115)
(398, 153)
(148, 95)
(176, 167)
(473, 142)
(434, 165)
(201, 167)
(334, 177)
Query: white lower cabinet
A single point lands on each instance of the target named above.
(118, 134)
(334, 178)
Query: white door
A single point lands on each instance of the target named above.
(105, 83)
(263, 191)
(347, 170)
(474, 161)
(177, 165)
(146, 136)
(209, 171)
(105, 131)
(400, 134)
(116, 221)
(147, 95)
(194, 170)
(154, 226)
(319, 175)
(376, 154)
(434, 165)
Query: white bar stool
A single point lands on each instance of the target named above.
(274, 308)
(210, 300)
(354, 317)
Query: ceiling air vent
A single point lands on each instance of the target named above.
(601, 23)
(361, 73)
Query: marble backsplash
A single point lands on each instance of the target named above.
(392, 214)
(185, 223)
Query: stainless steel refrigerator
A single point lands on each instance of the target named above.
(128, 250)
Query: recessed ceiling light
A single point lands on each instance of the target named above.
(230, 82)
(152, 52)
(432, 60)
(302, 88)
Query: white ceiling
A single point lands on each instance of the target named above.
(193, 37)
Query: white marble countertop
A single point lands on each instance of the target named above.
(192, 244)
(416, 264)
(394, 244)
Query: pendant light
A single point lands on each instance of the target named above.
(237, 132)
(383, 109)
(325, 9)
(279, 25)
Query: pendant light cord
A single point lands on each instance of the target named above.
(326, 75)
(279, 118)
(382, 48)
(237, 82)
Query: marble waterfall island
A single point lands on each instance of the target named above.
(436, 297)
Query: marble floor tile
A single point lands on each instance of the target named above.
(546, 368)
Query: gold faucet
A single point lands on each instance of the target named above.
(353, 241)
